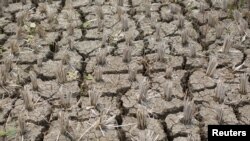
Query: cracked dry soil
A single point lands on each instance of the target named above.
(68, 45)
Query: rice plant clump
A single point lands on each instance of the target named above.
(161, 53)
(64, 99)
(219, 30)
(168, 72)
(220, 92)
(99, 12)
(3, 76)
(192, 51)
(101, 58)
(219, 115)
(188, 111)
(63, 122)
(141, 119)
(211, 66)
(124, 21)
(212, 19)
(65, 59)
(184, 37)
(39, 61)
(127, 54)
(243, 83)
(33, 78)
(132, 72)
(147, 8)
(93, 98)
(120, 2)
(28, 100)
(21, 124)
(61, 74)
(14, 48)
(98, 74)
(147, 135)
(227, 44)
(143, 91)
(157, 32)
(168, 91)
(8, 64)
(181, 21)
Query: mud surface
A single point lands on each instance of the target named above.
(83, 49)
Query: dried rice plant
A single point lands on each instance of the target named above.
(127, 54)
(21, 124)
(220, 92)
(61, 74)
(141, 119)
(188, 111)
(132, 72)
(33, 78)
(98, 74)
(211, 66)
(28, 100)
(243, 83)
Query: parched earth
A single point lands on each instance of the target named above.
(129, 70)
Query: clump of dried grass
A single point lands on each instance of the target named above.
(21, 124)
(124, 22)
(168, 91)
(228, 43)
(181, 21)
(192, 51)
(99, 12)
(39, 61)
(168, 72)
(148, 136)
(147, 8)
(3, 76)
(14, 48)
(63, 122)
(157, 32)
(65, 58)
(101, 58)
(161, 53)
(127, 54)
(33, 78)
(211, 66)
(141, 119)
(8, 64)
(132, 72)
(188, 111)
(28, 100)
(143, 91)
(40, 30)
(212, 19)
(64, 99)
(243, 83)
(98, 74)
(219, 115)
(184, 37)
(219, 30)
(220, 92)
(61, 74)
(93, 98)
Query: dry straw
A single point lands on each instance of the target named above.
(243, 83)
(132, 72)
(188, 112)
(33, 78)
(127, 57)
(141, 119)
(211, 66)
(61, 74)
